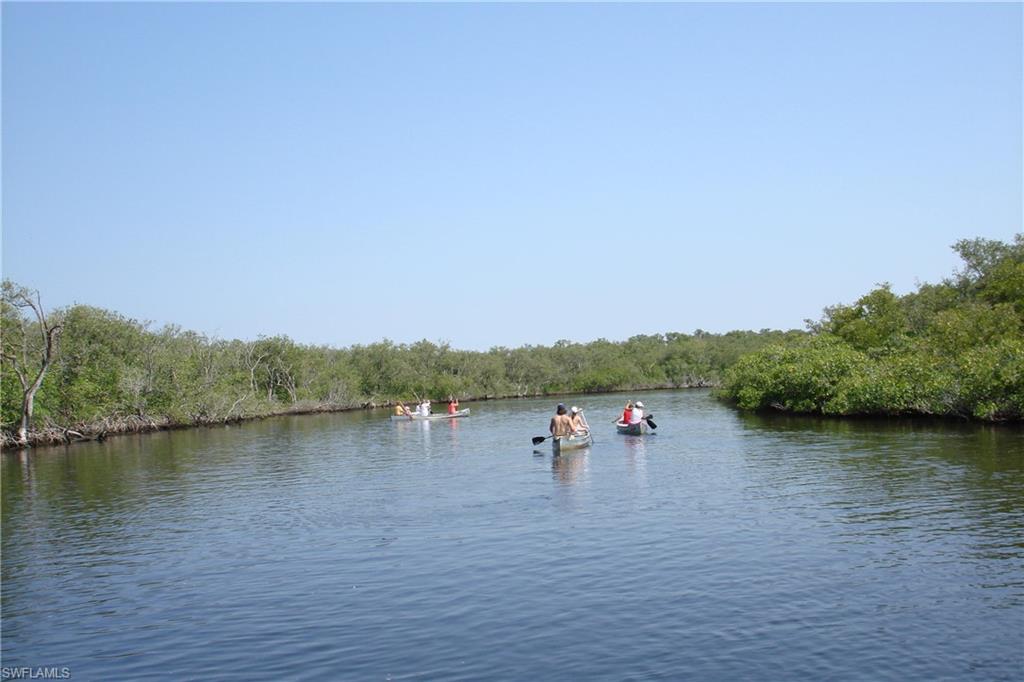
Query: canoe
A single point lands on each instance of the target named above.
(565, 443)
(638, 429)
(432, 417)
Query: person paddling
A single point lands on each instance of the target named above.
(561, 424)
(453, 405)
(637, 414)
(626, 413)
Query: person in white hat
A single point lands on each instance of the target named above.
(579, 422)
(637, 415)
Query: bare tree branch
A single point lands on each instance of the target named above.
(49, 332)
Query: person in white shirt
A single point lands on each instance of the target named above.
(638, 413)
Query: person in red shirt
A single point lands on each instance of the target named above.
(627, 413)
(453, 405)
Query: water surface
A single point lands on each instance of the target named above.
(725, 546)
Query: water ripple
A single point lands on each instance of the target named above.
(344, 546)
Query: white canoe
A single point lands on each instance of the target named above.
(564, 443)
(637, 429)
(431, 417)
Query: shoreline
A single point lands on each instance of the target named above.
(57, 436)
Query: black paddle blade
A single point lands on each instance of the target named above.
(650, 422)
(537, 440)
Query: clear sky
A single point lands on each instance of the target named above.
(493, 174)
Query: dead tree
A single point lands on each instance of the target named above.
(23, 361)
(253, 357)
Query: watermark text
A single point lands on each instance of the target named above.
(27, 673)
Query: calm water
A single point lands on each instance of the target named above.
(348, 547)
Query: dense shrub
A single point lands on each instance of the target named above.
(802, 377)
(954, 349)
(113, 368)
(897, 384)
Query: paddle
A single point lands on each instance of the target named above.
(583, 417)
(650, 422)
(537, 440)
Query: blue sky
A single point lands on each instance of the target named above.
(492, 174)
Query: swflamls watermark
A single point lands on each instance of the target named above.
(27, 673)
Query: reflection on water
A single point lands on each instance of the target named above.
(636, 459)
(352, 547)
(569, 466)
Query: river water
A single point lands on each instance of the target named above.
(723, 547)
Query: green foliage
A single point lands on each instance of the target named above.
(113, 367)
(891, 385)
(970, 324)
(801, 377)
(96, 350)
(991, 380)
(876, 322)
(1005, 284)
(955, 349)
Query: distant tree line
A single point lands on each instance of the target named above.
(107, 374)
(954, 349)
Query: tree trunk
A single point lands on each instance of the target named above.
(50, 333)
(26, 417)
